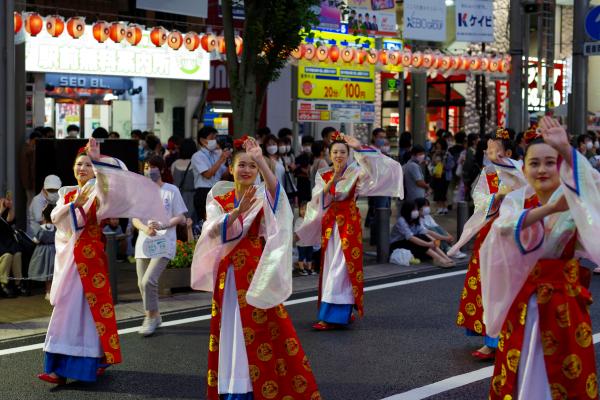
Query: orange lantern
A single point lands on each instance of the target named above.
(505, 65)
(34, 24)
(239, 45)
(383, 57)
(372, 56)
(417, 59)
(428, 59)
(464, 66)
(133, 34)
(394, 57)
(406, 58)
(76, 27)
(361, 56)
(494, 64)
(298, 52)
(117, 32)
(191, 41)
(475, 64)
(348, 54)
(18, 21)
(175, 39)
(208, 42)
(322, 53)
(456, 62)
(485, 64)
(437, 61)
(55, 25)
(334, 53)
(221, 45)
(158, 36)
(101, 30)
(310, 51)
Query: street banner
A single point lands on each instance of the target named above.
(501, 103)
(325, 80)
(425, 20)
(323, 111)
(475, 21)
(373, 17)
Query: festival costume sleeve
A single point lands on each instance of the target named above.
(380, 175)
(507, 256)
(125, 194)
(581, 187)
(309, 232)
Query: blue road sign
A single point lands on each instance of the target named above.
(592, 23)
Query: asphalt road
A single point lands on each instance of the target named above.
(407, 340)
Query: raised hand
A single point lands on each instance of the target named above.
(555, 135)
(83, 196)
(247, 200)
(93, 149)
(352, 141)
(253, 149)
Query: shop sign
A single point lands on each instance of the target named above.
(329, 16)
(536, 95)
(475, 21)
(425, 20)
(85, 55)
(337, 81)
(395, 45)
(394, 119)
(375, 17)
(313, 111)
(501, 103)
(89, 81)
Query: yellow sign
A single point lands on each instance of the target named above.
(343, 81)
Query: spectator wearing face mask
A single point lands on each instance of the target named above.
(48, 195)
(585, 145)
(302, 171)
(414, 179)
(72, 132)
(208, 165)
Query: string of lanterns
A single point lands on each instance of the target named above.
(120, 31)
(418, 60)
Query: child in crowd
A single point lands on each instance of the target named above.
(41, 266)
(430, 224)
(305, 253)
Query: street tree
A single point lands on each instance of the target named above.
(272, 30)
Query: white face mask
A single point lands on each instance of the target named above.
(52, 197)
(426, 210)
(272, 150)
(420, 158)
(589, 145)
(282, 149)
(596, 144)
(307, 149)
(211, 145)
(414, 214)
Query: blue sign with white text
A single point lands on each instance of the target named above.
(592, 23)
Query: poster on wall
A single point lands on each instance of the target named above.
(475, 21)
(375, 17)
(66, 114)
(329, 16)
(336, 81)
(323, 111)
(425, 20)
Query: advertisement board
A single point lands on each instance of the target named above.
(425, 20)
(323, 111)
(375, 17)
(337, 81)
(475, 21)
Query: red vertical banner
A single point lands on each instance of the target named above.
(501, 102)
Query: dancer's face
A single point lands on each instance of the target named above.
(244, 169)
(541, 168)
(339, 155)
(82, 169)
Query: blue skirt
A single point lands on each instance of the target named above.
(488, 341)
(335, 313)
(245, 396)
(73, 367)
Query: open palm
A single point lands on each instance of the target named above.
(253, 149)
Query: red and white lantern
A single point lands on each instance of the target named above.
(133, 34)
(239, 45)
(310, 51)
(361, 56)
(76, 27)
(417, 60)
(191, 41)
(208, 42)
(475, 64)
(505, 65)
(322, 53)
(117, 32)
(298, 52)
(485, 64)
(175, 39)
(158, 36)
(34, 24)
(494, 65)
(348, 54)
(428, 59)
(101, 30)
(17, 21)
(394, 58)
(383, 57)
(372, 56)
(406, 58)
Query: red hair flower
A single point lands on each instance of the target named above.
(82, 150)
(337, 137)
(238, 144)
(531, 134)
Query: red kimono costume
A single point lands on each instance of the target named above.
(535, 292)
(254, 352)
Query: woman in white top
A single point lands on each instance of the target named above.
(156, 244)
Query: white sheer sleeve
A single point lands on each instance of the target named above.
(380, 175)
(310, 230)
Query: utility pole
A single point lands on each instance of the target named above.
(515, 97)
(578, 105)
(7, 98)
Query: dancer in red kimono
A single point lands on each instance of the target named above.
(333, 218)
(244, 256)
(534, 290)
(498, 179)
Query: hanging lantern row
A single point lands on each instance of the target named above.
(406, 58)
(119, 31)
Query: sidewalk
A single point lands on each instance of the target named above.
(26, 316)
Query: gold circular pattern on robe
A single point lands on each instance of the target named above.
(254, 372)
(522, 313)
(270, 389)
(82, 268)
(562, 314)
(281, 311)
(100, 328)
(222, 280)
(591, 386)
(345, 243)
(281, 367)
(274, 330)
(355, 253)
(98, 280)
(583, 334)
(549, 343)
(91, 298)
(558, 392)
(110, 359)
(88, 251)
(241, 296)
(291, 346)
(106, 311)
(264, 352)
(214, 308)
(460, 319)
(259, 316)
(113, 341)
(544, 293)
(512, 359)
(211, 378)
(464, 294)
(472, 282)
(213, 343)
(470, 309)
(571, 366)
(249, 336)
(299, 383)
(306, 364)
(478, 327)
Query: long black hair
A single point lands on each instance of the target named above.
(407, 208)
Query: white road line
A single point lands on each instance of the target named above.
(287, 303)
(452, 383)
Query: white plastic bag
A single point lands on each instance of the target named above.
(401, 257)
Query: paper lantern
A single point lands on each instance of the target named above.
(494, 64)
(17, 21)
(464, 65)
(437, 61)
(158, 36)
(505, 65)
(428, 59)
(34, 24)
(417, 59)
(322, 53)
(446, 63)
(394, 57)
(372, 56)
(117, 32)
(310, 51)
(475, 64)
(76, 27)
(208, 42)
(406, 58)
(101, 30)
(383, 57)
(347, 54)
(334, 53)
(191, 41)
(175, 39)
(456, 62)
(485, 64)
(239, 45)
(298, 52)
(133, 34)
(361, 56)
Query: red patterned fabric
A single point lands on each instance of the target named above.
(92, 266)
(279, 369)
(563, 302)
